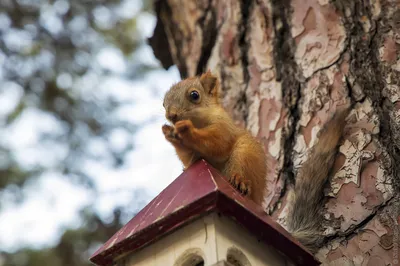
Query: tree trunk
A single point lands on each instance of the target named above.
(285, 66)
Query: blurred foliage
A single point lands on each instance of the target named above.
(73, 247)
(49, 67)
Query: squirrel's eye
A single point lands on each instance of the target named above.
(194, 96)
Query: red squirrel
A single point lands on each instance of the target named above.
(202, 129)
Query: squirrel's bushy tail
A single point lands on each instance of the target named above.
(304, 218)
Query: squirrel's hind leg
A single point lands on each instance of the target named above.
(246, 168)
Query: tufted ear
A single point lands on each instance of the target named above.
(209, 83)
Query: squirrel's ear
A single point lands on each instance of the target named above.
(209, 83)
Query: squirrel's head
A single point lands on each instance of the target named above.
(187, 96)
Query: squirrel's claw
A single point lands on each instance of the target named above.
(167, 129)
(168, 132)
(241, 184)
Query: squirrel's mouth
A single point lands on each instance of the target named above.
(172, 118)
(171, 123)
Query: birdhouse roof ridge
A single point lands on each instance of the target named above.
(199, 190)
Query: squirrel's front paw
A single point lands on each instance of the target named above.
(183, 128)
(241, 184)
(168, 132)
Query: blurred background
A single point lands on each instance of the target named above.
(81, 148)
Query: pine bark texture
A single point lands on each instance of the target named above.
(285, 66)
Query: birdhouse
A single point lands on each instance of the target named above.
(201, 220)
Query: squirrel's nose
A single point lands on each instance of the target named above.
(172, 117)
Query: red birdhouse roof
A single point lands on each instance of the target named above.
(197, 191)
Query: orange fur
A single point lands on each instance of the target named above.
(204, 130)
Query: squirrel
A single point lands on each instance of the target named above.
(203, 129)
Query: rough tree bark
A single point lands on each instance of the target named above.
(285, 66)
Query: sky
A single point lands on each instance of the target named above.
(52, 202)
